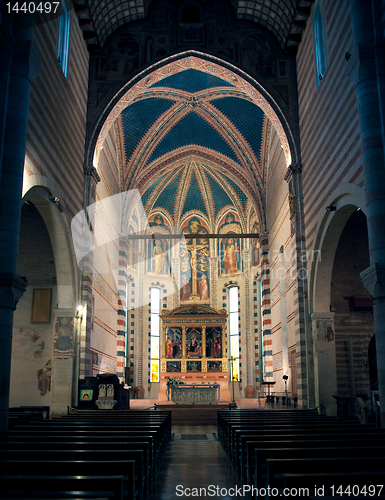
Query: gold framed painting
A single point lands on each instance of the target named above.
(41, 305)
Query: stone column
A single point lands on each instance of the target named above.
(19, 65)
(214, 282)
(366, 68)
(282, 293)
(183, 342)
(325, 370)
(203, 341)
(175, 272)
(249, 344)
(91, 179)
(305, 365)
(267, 342)
(122, 320)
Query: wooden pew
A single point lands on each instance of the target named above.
(262, 455)
(101, 428)
(102, 456)
(240, 452)
(41, 487)
(124, 468)
(276, 467)
(248, 465)
(228, 425)
(142, 440)
(238, 434)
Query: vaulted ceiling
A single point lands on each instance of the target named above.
(285, 19)
(191, 140)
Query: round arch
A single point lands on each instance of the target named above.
(346, 199)
(61, 242)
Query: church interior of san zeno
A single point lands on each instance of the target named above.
(192, 248)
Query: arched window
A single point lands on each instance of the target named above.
(191, 14)
(234, 332)
(319, 41)
(154, 334)
(64, 37)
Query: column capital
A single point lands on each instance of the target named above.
(294, 168)
(373, 279)
(264, 238)
(12, 288)
(91, 172)
(323, 316)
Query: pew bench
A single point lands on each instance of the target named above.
(262, 455)
(66, 487)
(101, 456)
(124, 468)
(248, 464)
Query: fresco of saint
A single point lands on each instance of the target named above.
(230, 257)
(159, 258)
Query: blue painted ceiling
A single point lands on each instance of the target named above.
(196, 110)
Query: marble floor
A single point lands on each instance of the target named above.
(194, 459)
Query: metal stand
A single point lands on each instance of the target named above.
(233, 404)
(285, 395)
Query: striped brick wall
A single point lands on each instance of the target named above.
(57, 117)
(267, 342)
(256, 333)
(121, 328)
(328, 118)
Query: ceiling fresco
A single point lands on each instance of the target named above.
(194, 137)
(192, 141)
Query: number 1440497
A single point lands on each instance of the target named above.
(33, 7)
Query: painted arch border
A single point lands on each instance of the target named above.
(182, 62)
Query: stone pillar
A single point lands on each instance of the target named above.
(64, 360)
(214, 282)
(284, 335)
(91, 179)
(267, 342)
(175, 272)
(19, 65)
(183, 342)
(366, 68)
(249, 344)
(325, 370)
(304, 340)
(121, 329)
(203, 342)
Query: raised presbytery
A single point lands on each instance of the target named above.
(192, 197)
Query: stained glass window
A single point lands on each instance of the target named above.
(64, 37)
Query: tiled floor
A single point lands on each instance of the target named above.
(194, 462)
